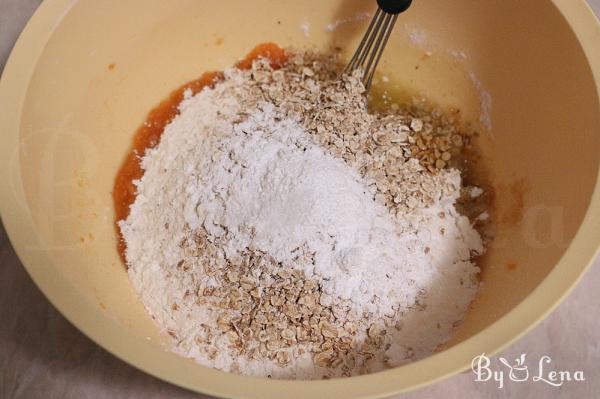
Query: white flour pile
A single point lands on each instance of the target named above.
(261, 252)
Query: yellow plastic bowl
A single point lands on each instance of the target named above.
(530, 69)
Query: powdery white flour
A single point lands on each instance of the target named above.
(254, 178)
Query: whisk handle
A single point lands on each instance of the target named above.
(394, 6)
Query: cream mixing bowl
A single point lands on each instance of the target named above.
(84, 74)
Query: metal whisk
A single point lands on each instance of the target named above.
(371, 47)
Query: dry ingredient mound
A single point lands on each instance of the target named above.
(282, 230)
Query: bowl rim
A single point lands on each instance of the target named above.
(115, 338)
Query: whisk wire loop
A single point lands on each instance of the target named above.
(369, 51)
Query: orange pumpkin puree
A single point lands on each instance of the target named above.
(148, 134)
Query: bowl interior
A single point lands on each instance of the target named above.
(524, 82)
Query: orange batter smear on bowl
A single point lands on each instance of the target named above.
(148, 135)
